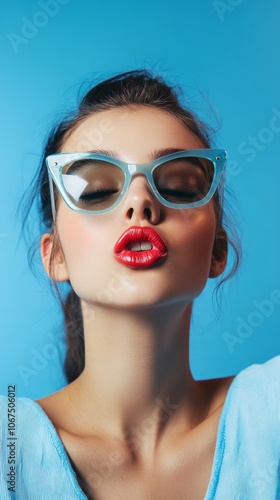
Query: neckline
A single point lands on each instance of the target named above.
(217, 460)
(220, 443)
(60, 449)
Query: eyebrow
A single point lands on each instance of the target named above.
(158, 153)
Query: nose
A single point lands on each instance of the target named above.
(140, 203)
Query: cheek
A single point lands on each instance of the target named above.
(194, 243)
(73, 237)
(203, 239)
(196, 228)
(81, 241)
(79, 233)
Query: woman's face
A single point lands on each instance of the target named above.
(88, 241)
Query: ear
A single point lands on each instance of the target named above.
(53, 258)
(219, 255)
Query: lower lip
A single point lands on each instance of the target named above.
(143, 259)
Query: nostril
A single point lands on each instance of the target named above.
(130, 213)
(148, 213)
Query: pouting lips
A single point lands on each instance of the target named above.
(140, 247)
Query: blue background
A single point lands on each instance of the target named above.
(225, 55)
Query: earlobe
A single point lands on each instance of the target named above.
(219, 255)
(218, 266)
(53, 259)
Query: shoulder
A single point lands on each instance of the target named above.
(11, 399)
(37, 447)
(19, 406)
(30, 424)
(19, 417)
(11, 406)
(255, 395)
(262, 375)
(248, 452)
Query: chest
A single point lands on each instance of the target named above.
(181, 474)
(187, 483)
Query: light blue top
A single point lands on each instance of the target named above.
(246, 462)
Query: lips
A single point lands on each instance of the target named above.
(140, 247)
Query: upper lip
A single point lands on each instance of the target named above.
(140, 234)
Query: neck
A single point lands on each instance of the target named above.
(137, 358)
(137, 368)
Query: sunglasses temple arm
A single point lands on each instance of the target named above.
(222, 188)
(52, 196)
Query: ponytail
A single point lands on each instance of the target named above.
(75, 346)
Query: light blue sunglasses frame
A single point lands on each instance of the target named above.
(56, 162)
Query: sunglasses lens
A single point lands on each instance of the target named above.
(95, 185)
(92, 184)
(184, 180)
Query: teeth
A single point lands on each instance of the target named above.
(136, 247)
(146, 246)
(143, 245)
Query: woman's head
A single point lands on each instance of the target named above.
(134, 115)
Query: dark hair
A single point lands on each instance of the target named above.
(127, 89)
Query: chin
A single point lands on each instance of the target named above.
(144, 300)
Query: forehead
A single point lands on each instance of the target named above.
(133, 133)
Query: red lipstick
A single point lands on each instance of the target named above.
(140, 247)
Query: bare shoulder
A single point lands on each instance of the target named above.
(57, 407)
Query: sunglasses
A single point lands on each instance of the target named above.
(93, 183)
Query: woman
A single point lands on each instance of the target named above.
(135, 225)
